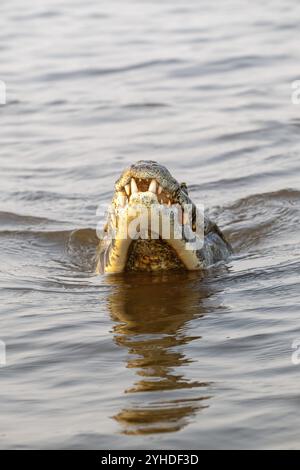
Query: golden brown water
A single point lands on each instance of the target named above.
(171, 360)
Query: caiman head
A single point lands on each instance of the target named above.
(152, 223)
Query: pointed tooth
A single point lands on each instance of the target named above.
(186, 218)
(134, 188)
(161, 201)
(122, 199)
(152, 187)
(169, 203)
(127, 189)
(160, 189)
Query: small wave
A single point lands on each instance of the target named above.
(260, 218)
(97, 71)
(281, 195)
(145, 105)
(74, 238)
(12, 219)
(240, 181)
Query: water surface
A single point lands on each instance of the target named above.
(149, 361)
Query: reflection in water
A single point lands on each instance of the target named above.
(152, 314)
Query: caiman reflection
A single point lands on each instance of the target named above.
(152, 316)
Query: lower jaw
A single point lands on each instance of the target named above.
(149, 254)
(152, 255)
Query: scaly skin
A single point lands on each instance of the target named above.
(148, 186)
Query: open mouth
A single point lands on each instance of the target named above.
(145, 224)
(153, 225)
(139, 185)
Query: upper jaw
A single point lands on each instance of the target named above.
(148, 171)
(149, 176)
(146, 192)
(144, 186)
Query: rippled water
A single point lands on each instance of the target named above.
(141, 361)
